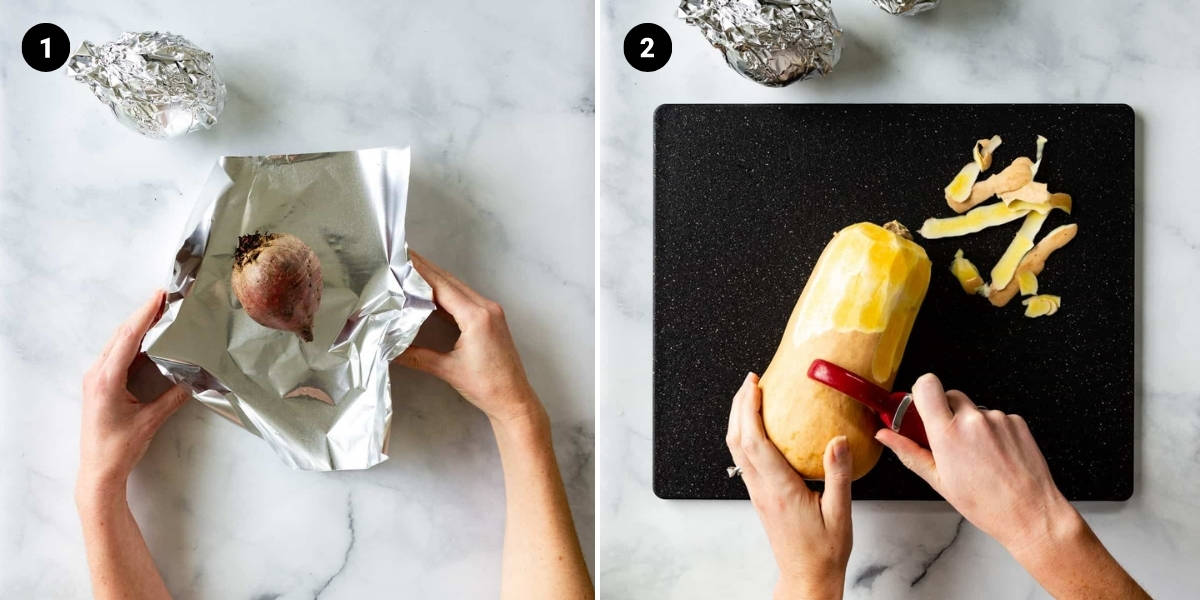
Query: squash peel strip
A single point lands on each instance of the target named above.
(1034, 192)
(1041, 306)
(972, 222)
(1021, 244)
(1057, 200)
(1013, 177)
(983, 149)
(1041, 145)
(1034, 261)
(1027, 282)
(960, 187)
(1020, 196)
(967, 275)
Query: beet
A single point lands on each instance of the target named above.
(277, 278)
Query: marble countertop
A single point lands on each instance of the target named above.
(1145, 54)
(497, 104)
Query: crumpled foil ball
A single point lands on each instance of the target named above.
(907, 8)
(156, 83)
(773, 42)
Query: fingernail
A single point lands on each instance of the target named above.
(841, 448)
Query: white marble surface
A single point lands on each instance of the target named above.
(497, 103)
(1144, 53)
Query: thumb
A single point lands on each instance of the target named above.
(917, 459)
(167, 404)
(839, 470)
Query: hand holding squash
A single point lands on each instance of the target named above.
(857, 311)
(810, 533)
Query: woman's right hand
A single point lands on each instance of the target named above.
(987, 466)
(985, 463)
(483, 366)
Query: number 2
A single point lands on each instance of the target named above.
(46, 43)
(647, 42)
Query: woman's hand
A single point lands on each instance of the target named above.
(987, 466)
(542, 557)
(116, 428)
(984, 463)
(483, 366)
(810, 534)
(116, 431)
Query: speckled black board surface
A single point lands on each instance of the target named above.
(747, 196)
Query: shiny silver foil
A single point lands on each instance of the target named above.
(322, 405)
(907, 8)
(773, 42)
(157, 84)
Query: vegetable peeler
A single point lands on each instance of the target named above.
(892, 407)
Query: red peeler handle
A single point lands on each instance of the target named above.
(895, 409)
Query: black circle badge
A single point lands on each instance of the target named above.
(647, 47)
(45, 46)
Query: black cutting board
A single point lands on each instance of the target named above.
(747, 196)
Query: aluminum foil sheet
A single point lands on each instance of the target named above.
(321, 405)
(157, 84)
(773, 42)
(907, 8)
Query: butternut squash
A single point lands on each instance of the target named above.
(857, 310)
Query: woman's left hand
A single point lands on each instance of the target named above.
(116, 429)
(810, 533)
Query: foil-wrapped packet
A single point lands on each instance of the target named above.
(773, 42)
(321, 405)
(156, 83)
(907, 8)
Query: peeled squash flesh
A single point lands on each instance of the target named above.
(857, 311)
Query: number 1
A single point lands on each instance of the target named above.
(46, 43)
(647, 42)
